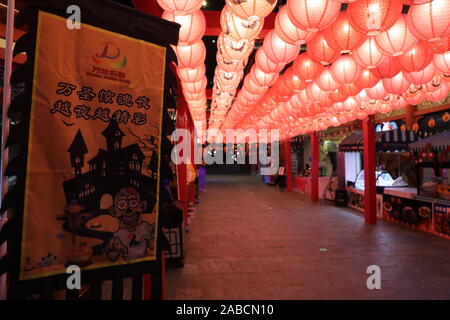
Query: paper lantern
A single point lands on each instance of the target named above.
(238, 28)
(339, 95)
(230, 65)
(195, 87)
(362, 96)
(422, 76)
(192, 26)
(350, 104)
(265, 64)
(314, 93)
(396, 85)
(387, 69)
(252, 10)
(368, 55)
(397, 39)
(377, 91)
(434, 84)
(313, 15)
(230, 78)
(278, 50)
(367, 79)
(319, 50)
(345, 70)
(252, 87)
(341, 36)
(180, 7)
(398, 103)
(350, 89)
(374, 16)
(190, 56)
(326, 82)
(442, 61)
(306, 68)
(417, 58)
(292, 81)
(288, 32)
(441, 46)
(191, 75)
(438, 95)
(261, 78)
(415, 99)
(430, 21)
(234, 50)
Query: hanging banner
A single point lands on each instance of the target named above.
(91, 195)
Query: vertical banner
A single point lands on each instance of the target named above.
(92, 185)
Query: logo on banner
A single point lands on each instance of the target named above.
(110, 54)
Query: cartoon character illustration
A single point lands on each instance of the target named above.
(134, 236)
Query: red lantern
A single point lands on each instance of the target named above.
(288, 32)
(350, 104)
(314, 93)
(367, 79)
(345, 70)
(319, 50)
(190, 56)
(195, 87)
(326, 82)
(306, 68)
(438, 95)
(313, 15)
(192, 26)
(442, 61)
(397, 39)
(238, 28)
(265, 64)
(191, 75)
(442, 46)
(430, 21)
(339, 95)
(368, 55)
(180, 7)
(341, 36)
(374, 16)
(387, 69)
(261, 78)
(422, 76)
(377, 91)
(417, 58)
(293, 81)
(397, 84)
(252, 10)
(230, 65)
(350, 89)
(252, 87)
(278, 50)
(415, 99)
(234, 50)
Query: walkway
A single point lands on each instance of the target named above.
(252, 241)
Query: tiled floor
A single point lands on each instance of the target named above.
(252, 241)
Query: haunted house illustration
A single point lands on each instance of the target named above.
(109, 171)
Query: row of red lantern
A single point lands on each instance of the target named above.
(191, 53)
(241, 24)
(393, 45)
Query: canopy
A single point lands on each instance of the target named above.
(437, 142)
(393, 140)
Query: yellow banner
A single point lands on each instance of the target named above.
(91, 195)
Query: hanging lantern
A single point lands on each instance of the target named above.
(288, 32)
(367, 79)
(326, 82)
(278, 50)
(239, 29)
(430, 21)
(314, 93)
(387, 69)
(306, 68)
(190, 56)
(350, 104)
(293, 81)
(417, 58)
(252, 10)
(341, 36)
(374, 16)
(415, 99)
(422, 76)
(319, 50)
(261, 78)
(234, 50)
(252, 87)
(191, 75)
(438, 95)
(193, 26)
(180, 7)
(230, 78)
(265, 64)
(368, 55)
(398, 103)
(339, 95)
(435, 84)
(362, 96)
(313, 15)
(345, 70)
(397, 39)
(377, 91)
(230, 65)
(350, 89)
(442, 61)
(442, 46)
(396, 85)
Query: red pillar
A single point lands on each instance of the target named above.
(409, 116)
(370, 192)
(287, 152)
(314, 166)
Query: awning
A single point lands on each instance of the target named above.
(394, 140)
(438, 142)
